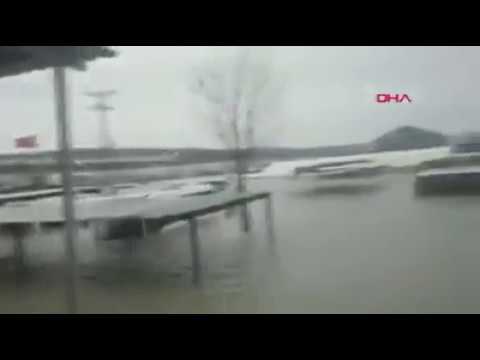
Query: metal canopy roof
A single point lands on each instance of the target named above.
(15, 60)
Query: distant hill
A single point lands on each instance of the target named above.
(408, 138)
(402, 138)
(190, 155)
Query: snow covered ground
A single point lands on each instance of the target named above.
(390, 158)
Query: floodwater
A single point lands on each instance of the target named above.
(361, 248)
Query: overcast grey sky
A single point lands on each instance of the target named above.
(327, 97)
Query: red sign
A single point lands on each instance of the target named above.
(26, 142)
(386, 98)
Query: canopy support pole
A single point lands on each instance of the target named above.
(65, 162)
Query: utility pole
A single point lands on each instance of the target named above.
(102, 108)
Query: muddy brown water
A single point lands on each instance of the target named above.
(348, 248)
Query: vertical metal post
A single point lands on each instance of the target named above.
(65, 162)
(132, 245)
(19, 252)
(245, 217)
(270, 224)
(95, 226)
(195, 249)
(144, 229)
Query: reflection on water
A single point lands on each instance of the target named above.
(383, 251)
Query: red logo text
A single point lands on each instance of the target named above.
(398, 98)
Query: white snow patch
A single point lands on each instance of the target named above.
(390, 158)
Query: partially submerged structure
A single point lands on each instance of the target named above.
(142, 212)
(16, 60)
(457, 173)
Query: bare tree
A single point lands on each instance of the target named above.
(236, 93)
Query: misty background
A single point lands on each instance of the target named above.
(326, 96)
